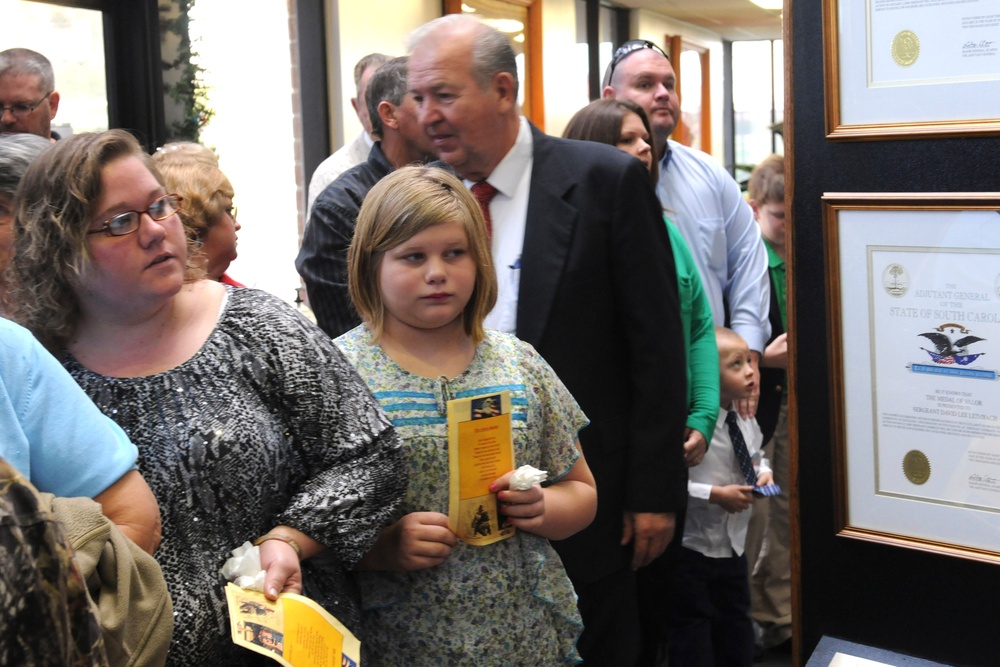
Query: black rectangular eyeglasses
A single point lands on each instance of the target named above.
(161, 208)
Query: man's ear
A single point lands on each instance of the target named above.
(54, 103)
(503, 84)
(354, 104)
(608, 93)
(387, 114)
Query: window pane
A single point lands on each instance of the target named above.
(512, 20)
(755, 94)
(690, 92)
(73, 40)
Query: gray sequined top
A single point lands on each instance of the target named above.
(266, 425)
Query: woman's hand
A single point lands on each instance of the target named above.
(281, 561)
(282, 567)
(417, 541)
(695, 447)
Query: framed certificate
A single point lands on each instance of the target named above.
(913, 287)
(910, 68)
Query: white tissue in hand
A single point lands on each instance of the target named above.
(525, 477)
(243, 569)
(255, 583)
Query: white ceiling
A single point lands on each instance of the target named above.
(732, 19)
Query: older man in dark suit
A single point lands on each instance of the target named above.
(587, 277)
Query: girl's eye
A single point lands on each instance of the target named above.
(456, 252)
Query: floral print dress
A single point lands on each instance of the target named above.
(507, 603)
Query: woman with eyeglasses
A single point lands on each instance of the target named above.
(192, 171)
(250, 424)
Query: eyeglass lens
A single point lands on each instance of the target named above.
(128, 222)
(22, 109)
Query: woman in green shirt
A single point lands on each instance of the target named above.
(623, 124)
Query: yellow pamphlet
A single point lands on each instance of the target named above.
(293, 630)
(480, 449)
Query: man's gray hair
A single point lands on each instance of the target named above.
(388, 84)
(491, 49)
(371, 60)
(17, 151)
(24, 62)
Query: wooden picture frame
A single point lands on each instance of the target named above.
(895, 73)
(532, 88)
(913, 300)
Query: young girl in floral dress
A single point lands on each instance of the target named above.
(422, 280)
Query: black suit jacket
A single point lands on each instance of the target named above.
(598, 300)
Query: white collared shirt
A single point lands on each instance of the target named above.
(509, 214)
(347, 156)
(708, 528)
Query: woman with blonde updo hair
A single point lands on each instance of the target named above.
(192, 171)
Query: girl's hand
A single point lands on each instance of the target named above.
(417, 541)
(561, 509)
(732, 498)
(284, 572)
(524, 509)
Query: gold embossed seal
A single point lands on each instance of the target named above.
(905, 48)
(916, 466)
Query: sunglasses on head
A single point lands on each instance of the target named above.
(625, 50)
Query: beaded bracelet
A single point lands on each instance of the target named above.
(284, 538)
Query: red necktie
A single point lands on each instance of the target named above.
(484, 194)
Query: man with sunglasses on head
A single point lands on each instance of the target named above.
(702, 199)
(28, 99)
(705, 203)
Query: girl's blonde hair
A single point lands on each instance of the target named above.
(399, 207)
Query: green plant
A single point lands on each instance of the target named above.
(189, 90)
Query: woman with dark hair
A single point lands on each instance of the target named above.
(623, 123)
(250, 424)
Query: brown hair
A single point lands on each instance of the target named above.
(767, 181)
(53, 211)
(400, 206)
(602, 121)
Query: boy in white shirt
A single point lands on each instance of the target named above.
(710, 601)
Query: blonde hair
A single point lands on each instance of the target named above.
(54, 208)
(192, 171)
(399, 207)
